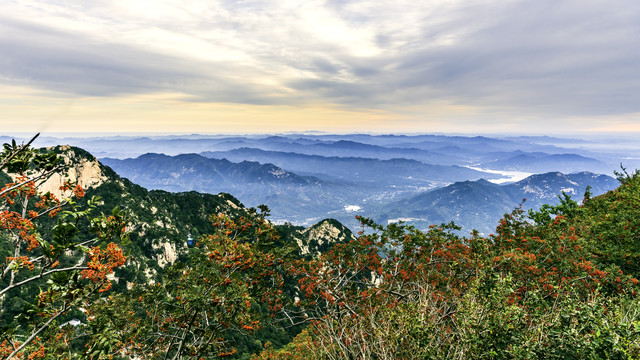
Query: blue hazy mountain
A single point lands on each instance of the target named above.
(540, 162)
(292, 196)
(499, 153)
(480, 204)
(399, 171)
(305, 177)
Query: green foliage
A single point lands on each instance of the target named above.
(546, 213)
(564, 287)
(557, 283)
(51, 269)
(204, 306)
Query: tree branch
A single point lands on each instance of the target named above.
(35, 334)
(41, 276)
(21, 149)
(35, 178)
(184, 335)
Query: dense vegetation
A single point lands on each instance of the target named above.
(50, 277)
(562, 287)
(560, 282)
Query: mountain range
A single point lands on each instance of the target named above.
(386, 190)
(540, 162)
(432, 149)
(331, 184)
(162, 223)
(480, 204)
(305, 178)
(395, 171)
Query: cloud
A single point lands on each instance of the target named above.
(545, 57)
(550, 58)
(71, 63)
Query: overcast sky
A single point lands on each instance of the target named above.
(536, 66)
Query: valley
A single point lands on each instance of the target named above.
(194, 252)
(304, 178)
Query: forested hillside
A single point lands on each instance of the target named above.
(560, 283)
(155, 275)
(157, 229)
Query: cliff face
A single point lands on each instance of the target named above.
(162, 222)
(79, 167)
(320, 237)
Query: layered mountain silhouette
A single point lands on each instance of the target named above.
(306, 177)
(330, 184)
(480, 204)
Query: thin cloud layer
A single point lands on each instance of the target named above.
(575, 58)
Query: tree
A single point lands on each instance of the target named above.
(49, 266)
(565, 287)
(366, 299)
(203, 306)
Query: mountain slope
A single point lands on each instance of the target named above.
(189, 171)
(471, 204)
(397, 171)
(480, 204)
(541, 162)
(544, 188)
(290, 196)
(162, 223)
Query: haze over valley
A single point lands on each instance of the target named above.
(419, 179)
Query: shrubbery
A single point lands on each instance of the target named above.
(50, 278)
(560, 283)
(564, 287)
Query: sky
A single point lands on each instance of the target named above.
(394, 66)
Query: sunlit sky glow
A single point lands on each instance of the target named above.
(215, 66)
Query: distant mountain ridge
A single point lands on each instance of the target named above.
(433, 149)
(188, 171)
(306, 177)
(480, 204)
(475, 203)
(292, 197)
(540, 162)
(436, 149)
(397, 171)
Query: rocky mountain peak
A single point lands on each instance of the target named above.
(321, 236)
